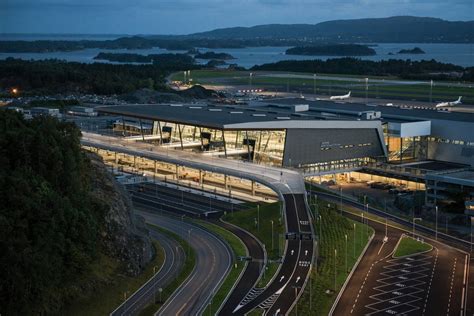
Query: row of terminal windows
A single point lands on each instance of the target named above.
(450, 141)
(347, 146)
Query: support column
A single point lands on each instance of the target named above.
(225, 146)
(180, 136)
(141, 130)
(225, 182)
(177, 173)
(253, 188)
(161, 133)
(154, 173)
(134, 161)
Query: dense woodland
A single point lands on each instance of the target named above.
(49, 221)
(169, 61)
(53, 76)
(407, 69)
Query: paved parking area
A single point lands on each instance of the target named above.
(402, 286)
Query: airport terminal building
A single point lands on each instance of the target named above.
(318, 137)
(287, 135)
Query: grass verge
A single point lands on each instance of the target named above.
(109, 297)
(189, 264)
(331, 269)
(265, 214)
(239, 250)
(408, 246)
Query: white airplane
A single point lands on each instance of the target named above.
(446, 104)
(341, 97)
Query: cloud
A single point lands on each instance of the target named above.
(186, 16)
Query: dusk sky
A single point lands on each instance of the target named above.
(188, 16)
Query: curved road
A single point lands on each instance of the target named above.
(252, 271)
(174, 261)
(213, 261)
(279, 296)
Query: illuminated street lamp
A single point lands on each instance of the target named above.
(15, 91)
(415, 219)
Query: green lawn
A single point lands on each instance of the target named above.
(239, 250)
(409, 246)
(419, 92)
(334, 229)
(109, 297)
(247, 220)
(188, 267)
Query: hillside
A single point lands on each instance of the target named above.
(62, 218)
(392, 29)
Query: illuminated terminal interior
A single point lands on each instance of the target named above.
(264, 136)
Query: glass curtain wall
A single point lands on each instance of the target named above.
(262, 146)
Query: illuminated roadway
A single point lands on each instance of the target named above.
(213, 262)
(279, 296)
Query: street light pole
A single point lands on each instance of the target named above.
(354, 240)
(320, 227)
(272, 236)
(436, 214)
(340, 202)
(258, 217)
(415, 219)
(431, 90)
(335, 273)
(314, 84)
(472, 221)
(346, 251)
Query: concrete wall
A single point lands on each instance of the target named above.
(305, 146)
(452, 153)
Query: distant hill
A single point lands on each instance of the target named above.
(393, 29)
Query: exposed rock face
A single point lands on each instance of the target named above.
(124, 235)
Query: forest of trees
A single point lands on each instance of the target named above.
(407, 69)
(174, 61)
(54, 76)
(49, 221)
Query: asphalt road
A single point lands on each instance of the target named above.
(425, 284)
(173, 199)
(213, 262)
(149, 292)
(252, 271)
(278, 297)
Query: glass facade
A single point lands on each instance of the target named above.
(259, 146)
(405, 149)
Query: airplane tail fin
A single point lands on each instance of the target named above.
(459, 99)
(349, 94)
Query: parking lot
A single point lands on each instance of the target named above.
(402, 286)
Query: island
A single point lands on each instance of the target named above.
(171, 59)
(415, 50)
(332, 50)
(213, 55)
